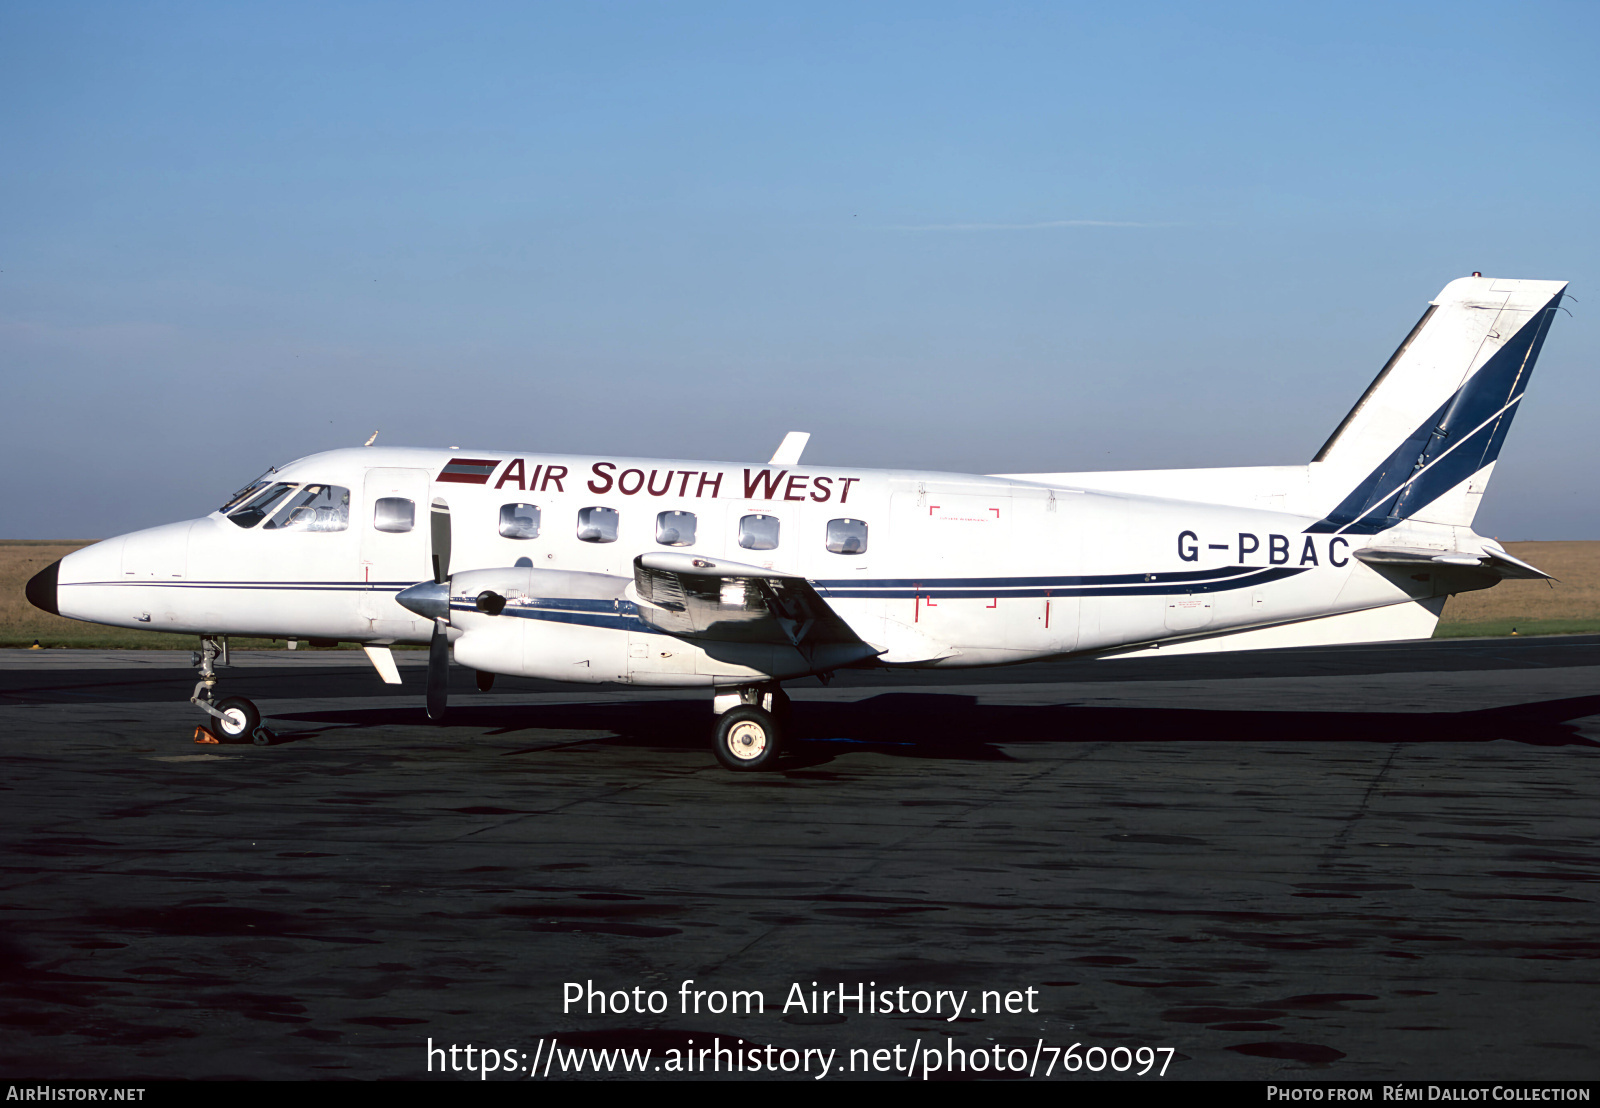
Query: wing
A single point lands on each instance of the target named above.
(715, 600)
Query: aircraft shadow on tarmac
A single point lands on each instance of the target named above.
(935, 725)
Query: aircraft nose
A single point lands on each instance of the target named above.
(429, 600)
(41, 588)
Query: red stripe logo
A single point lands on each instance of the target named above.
(469, 471)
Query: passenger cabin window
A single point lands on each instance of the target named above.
(846, 536)
(394, 514)
(313, 508)
(261, 505)
(597, 524)
(758, 532)
(519, 521)
(675, 528)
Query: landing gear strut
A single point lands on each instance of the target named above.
(750, 724)
(233, 719)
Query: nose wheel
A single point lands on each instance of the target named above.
(238, 720)
(233, 719)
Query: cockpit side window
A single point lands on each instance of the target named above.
(260, 506)
(313, 508)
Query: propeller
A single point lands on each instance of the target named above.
(439, 644)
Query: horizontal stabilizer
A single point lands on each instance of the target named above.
(1507, 566)
(1497, 562)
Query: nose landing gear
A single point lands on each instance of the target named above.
(233, 719)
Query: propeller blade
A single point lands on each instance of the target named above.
(438, 672)
(431, 599)
(440, 533)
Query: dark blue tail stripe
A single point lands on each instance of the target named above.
(1461, 437)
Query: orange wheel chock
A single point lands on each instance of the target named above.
(203, 735)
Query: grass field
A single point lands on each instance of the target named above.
(1570, 605)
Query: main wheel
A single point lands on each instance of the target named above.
(747, 739)
(239, 720)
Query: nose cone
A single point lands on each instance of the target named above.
(429, 600)
(41, 588)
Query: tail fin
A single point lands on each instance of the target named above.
(1422, 441)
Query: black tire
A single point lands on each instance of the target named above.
(485, 680)
(747, 739)
(240, 718)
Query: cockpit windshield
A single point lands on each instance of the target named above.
(252, 511)
(314, 508)
(291, 506)
(247, 492)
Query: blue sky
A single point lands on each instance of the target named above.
(983, 237)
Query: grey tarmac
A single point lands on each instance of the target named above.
(1343, 863)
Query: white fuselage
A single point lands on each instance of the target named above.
(955, 571)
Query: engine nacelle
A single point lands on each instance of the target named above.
(582, 627)
(554, 651)
(563, 626)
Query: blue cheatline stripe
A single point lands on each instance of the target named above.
(1258, 576)
(1176, 577)
(292, 586)
(557, 608)
(1461, 437)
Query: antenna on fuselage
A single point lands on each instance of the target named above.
(372, 440)
(790, 449)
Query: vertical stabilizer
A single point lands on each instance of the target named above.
(1422, 441)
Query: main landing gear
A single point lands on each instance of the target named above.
(750, 725)
(233, 719)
